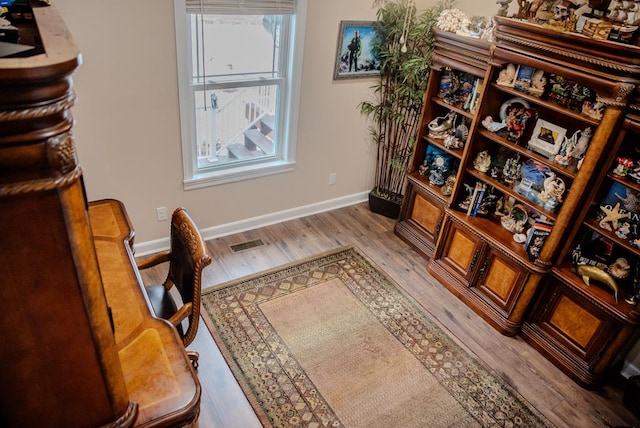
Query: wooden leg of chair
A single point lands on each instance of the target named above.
(193, 357)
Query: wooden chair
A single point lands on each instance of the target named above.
(187, 259)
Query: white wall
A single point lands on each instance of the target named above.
(127, 125)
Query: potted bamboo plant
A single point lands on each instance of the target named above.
(403, 45)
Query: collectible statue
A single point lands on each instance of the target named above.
(511, 170)
(564, 18)
(442, 125)
(482, 162)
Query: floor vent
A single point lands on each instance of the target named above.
(246, 245)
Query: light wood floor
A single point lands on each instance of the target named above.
(562, 401)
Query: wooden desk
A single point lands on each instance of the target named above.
(156, 369)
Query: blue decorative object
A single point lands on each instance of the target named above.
(439, 163)
(535, 172)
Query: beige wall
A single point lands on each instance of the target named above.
(128, 131)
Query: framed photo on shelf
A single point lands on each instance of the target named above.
(355, 57)
(546, 138)
(524, 75)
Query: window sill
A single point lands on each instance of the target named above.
(237, 174)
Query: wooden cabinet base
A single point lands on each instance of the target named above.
(496, 285)
(583, 338)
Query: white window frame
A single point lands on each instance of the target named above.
(285, 162)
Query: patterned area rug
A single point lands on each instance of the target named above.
(331, 341)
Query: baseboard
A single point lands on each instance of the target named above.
(150, 247)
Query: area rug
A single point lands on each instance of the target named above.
(332, 341)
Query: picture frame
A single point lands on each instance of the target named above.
(523, 78)
(354, 59)
(546, 138)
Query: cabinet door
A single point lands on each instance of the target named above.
(570, 329)
(460, 252)
(427, 213)
(500, 281)
(421, 219)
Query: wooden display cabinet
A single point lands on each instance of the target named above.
(478, 255)
(584, 329)
(475, 244)
(422, 214)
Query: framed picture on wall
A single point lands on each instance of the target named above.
(355, 56)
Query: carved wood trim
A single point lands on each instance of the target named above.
(42, 111)
(622, 94)
(61, 153)
(568, 54)
(43, 185)
(450, 49)
(127, 419)
(187, 233)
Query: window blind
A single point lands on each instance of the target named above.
(242, 7)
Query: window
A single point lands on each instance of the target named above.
(239, 67)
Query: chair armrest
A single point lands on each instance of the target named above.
(154, 260)
(183, 312)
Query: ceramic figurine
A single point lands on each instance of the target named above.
(544, 11)
(422, 169)
(504, 7)
(564, 18)
(551, 196)
(506, 75)
(515, 221)
(582, 144)
(464, 204)
(442, 125)
(624, 166)
(620, 268)
(511, 170)
(492, 125)
(447, 188)
(439, 167)
(538, 83)
(623, 230)
(554, 187)
(482, 162)
(592, 109)
(567, 148)
(458, 138)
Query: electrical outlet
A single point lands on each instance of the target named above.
(161, 213)
(332, 179)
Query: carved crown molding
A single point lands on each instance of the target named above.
(570, 54)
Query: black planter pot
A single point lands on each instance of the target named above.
(386, 207)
